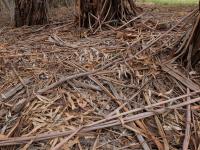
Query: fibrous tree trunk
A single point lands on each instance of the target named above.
(95, 12)
(56, 3)
(193, 54)
(4, 3)
(189, 51)
(9, 6)
(31, 12)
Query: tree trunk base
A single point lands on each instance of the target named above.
(93, 13)
(31, 12)
(189, 52)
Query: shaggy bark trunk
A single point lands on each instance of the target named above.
(189, 52)
(56, 3)
(8, 5)
(95, 12)
(193, 54)
(31, 12)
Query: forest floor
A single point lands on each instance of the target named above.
(115, 89)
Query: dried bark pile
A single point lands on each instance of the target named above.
(96, 12)
(31, 12)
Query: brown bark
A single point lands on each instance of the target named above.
(57, 3)
(94, 12)
(31, 12)
(194, 56)
(189, 52)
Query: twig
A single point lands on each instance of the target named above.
(14, 90)
(180, 77)
(161, 36)
(140, 138)
(139, 109)
(159, 125)
(58, 146)
(138, 135)
(188, 122)
(64, 79)
(88, 128)
(130, 21)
